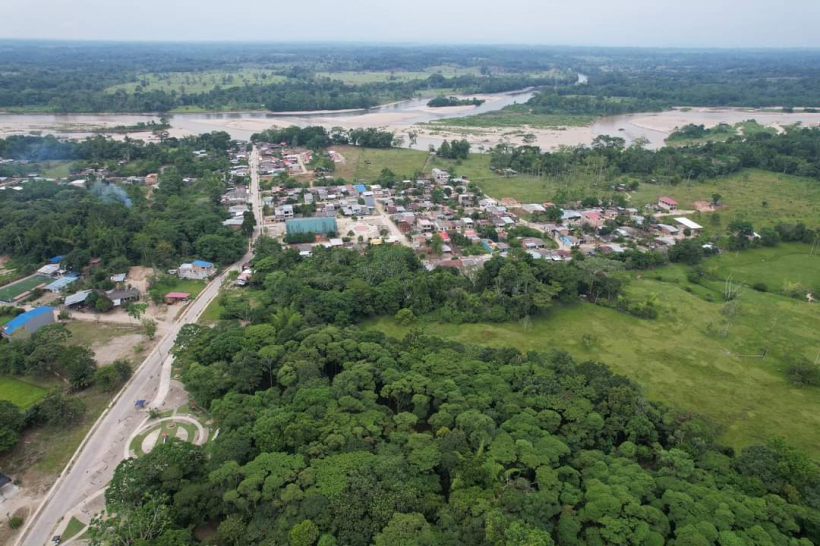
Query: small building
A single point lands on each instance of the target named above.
(119, 277)
(234, 223)
(60, 284)
(694, 227)
(441, 176)
(668, 204)
(49, 270)
(173, 297)
(198, 269)
(667, 229)
(321, 225)
(29, 322)
(77, 298)
(121, 297)
(151, 179)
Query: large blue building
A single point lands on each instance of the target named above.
(29, 322)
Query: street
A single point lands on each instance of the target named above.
(93, 465)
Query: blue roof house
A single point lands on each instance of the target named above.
(29, 322)
(198, 269)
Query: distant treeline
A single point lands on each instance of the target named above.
(795, 152)
(442, 101)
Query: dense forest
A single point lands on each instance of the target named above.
(317, 137)
(796, 151)
(333, 435)
(82, 77)
(121, 226)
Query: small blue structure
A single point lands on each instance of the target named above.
(29, 322)
(139, 404)
(61, 283)
(360, 188)
(202, 263)
(56, 259)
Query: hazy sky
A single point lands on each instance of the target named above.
(698, 23)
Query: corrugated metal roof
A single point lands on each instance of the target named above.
(79, 297)
(61, 283)
(20, 320)
(202, 263)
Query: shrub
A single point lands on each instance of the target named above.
(803, 374)
(760, 287)
(405, 317)
(16, 522)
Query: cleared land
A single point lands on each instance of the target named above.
(362, 77)
(515, 117)
(681, 358)
(20, 393)
(11, 291)
(197, 82)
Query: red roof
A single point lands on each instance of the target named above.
(668, 201)
(178, 295)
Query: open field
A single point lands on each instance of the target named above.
(55, 169)
(362, 77)
(745, 128)
(682, 358)
(11, 291)
(190, 286)
(20, 393)
(198, 82)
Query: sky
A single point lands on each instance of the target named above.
(648, 23)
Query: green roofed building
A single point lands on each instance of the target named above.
(311, 225)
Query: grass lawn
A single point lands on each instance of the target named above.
(362, 77)
(681, 358)
(74, 526)
(212, 312)
(20, 393)
(11, 291)
(189, 286)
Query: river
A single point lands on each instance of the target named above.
(404, 116)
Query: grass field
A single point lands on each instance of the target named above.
(56, 169)
(89, 333)
(362, 77)
(746, 128)
(11, 291)
(20, 393)
(74, 526)
(680, 358)
(190, 286)
(198, 82)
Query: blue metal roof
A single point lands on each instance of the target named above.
(20, 320)
(56, 259)
(360, 188)
(203, 263)
(61, 283)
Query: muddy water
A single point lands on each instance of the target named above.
(400, 117)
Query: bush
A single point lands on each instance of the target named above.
(803, 374)
(760, 287)
(405, 317)
(16, 522)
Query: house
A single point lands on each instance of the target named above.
(29, 322)
(173, 297)
(151, 179)
(592, 218)
(694, 227)
(77, 298)
(243, 278)
(121, 297)
(666, 229)
(668, 204)
(285, 212)
(530, 243)
(509, 202)
(198, 269)
(234, 223)
(441, 176)
(119, 277)
(49, 270)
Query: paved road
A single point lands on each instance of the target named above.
(92, 467)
